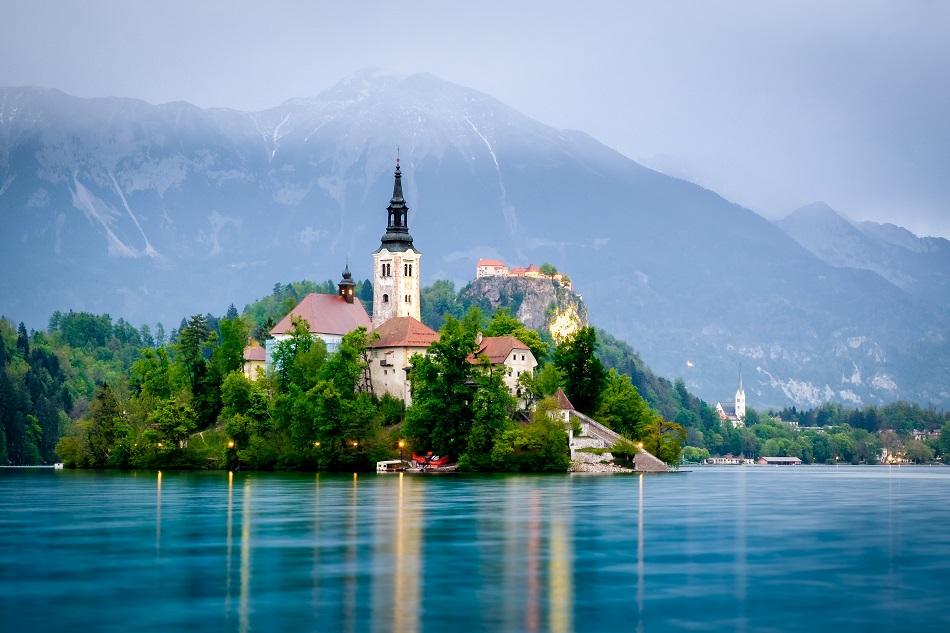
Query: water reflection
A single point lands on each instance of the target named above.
(158, 514)
(741, 554)
(640, 564)
(349, 581)
(560, 567)
(333, 553)
(243, 609)
(228, 543)
(405, 608)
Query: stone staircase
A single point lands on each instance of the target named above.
(595, 435)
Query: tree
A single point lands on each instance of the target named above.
(621, 407)
(584, 374)
(438, 302)
(440, 417)
(299, 358)
(503, 323)
(229, 354)
(664, 439)
(107, 426)
(548, 269)
(944, 443)
(174, 422)
(492, 407)
(918, 452)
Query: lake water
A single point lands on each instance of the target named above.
(743, 548)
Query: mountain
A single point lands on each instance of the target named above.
(153, 212)
(918, 265)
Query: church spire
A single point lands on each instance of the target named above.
(397, 237)
(347, 285)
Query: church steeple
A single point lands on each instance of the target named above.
(397, 237)
(396, 263)
(347, 285)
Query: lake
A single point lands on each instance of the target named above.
(715, 549)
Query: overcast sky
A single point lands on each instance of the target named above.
(771, 104)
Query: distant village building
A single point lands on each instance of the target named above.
(779, 461)
(254, 363)
(329, 317)
(399, 339)
(734, 410)
(507, 352)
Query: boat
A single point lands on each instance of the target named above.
(392, 466)
(58, 466)
(431, 464)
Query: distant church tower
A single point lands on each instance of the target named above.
(396, 264)
(740, 399)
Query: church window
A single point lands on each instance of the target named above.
(385, 298)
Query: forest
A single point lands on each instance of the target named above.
(94, 392)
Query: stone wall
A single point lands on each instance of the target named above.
(538, 303)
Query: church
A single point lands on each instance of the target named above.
(733, 410)
(395, 316)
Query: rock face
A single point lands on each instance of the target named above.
(542, 304)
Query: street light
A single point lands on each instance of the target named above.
(355, 443)
(230, 443)
(316, 444)
(402, 444)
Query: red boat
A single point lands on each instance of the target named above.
(430, 462)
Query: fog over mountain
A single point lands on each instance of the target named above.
(156, 212)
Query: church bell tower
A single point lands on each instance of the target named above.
(396, 263)
(740, 398)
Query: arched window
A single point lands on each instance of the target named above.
(385, 298)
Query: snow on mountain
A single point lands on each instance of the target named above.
(156, 212)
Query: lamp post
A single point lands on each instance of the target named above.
(402, 445)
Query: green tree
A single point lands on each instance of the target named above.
(107, 426)
(548, 269)
(229, 354)
(584, 374)
(439, 301)
(944, 443)
(918, 452)
(440, 417)
(503, 323)
(492, 407)
(174, 422)
(621, 407)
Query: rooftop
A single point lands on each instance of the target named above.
(405, 332)
(497, 348)
(326, 314)
(255, 352)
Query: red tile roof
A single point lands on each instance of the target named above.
(497, 348)
(255, 352)
(326, 314)
(562, 401)
(405, 332)
(491, 262)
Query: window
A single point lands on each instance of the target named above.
(386, 270)
(405, 270)
(385, 298)
(410, 270)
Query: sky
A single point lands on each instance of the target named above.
(771, 104)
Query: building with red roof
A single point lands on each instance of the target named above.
(329, 317)
(399, 339)
(507, 352)
(255, 358)
(490, 268)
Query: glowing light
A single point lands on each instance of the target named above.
(355, 443)
(402, 444)
(316, 444)
(230, 443)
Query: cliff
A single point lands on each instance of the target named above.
(542, 304)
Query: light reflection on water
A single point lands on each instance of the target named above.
(757, 549)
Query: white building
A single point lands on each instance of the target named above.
(507, 352)
(396, 264)
(490, 268)
(329, 317)
(733, 410)
(399, 340)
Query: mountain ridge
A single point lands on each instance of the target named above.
(153, 212)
